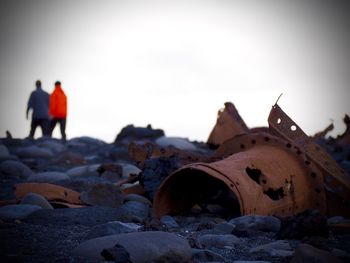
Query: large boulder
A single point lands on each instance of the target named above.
(143, 247)
(11, 168)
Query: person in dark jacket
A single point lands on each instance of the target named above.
(58, 109)
(39, 103)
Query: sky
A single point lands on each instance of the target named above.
(173, 64)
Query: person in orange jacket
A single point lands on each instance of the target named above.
(58, 109)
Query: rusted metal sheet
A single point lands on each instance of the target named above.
(50, 191)
(268, 176)
(337, 181)
(228, 124)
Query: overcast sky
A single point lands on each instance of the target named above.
(173, 64)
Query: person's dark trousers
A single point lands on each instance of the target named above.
(44, 125)
(62, 123)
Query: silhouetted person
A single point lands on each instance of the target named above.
(39, 103)
(58, 109)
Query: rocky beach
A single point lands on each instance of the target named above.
(85, 200)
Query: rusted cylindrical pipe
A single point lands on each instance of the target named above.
(266, 175)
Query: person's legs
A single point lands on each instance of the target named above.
(63, 128)
(52, 125)
(44, 127)
(33, 126)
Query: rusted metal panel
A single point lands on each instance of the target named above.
(228, 124)
(268, 175)
(337, 181)
(50, 191)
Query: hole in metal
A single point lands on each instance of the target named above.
(318, 190)
(307, 162)
(279, 120)
(275, 194)
(267, 139)
(288, 145)
(242, 146)
(254, 174)
(313, 175)
(253, 141)
(293, 128)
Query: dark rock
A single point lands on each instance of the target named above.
(169, 222)
(137, 198)
(217, 241)
(86, 216)
(131, 133)
(257, 223)
(137, 209)
(306, 253)
(13, 212)
(308, 223)
(103, 195)
(36, 199)
(15, 168)
(205, 255)
(143, 247)
(49, 177)
(116, 254)
(155, 170)
(113, 228)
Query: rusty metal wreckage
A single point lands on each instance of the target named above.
(281, 172)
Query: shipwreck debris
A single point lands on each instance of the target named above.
(283, 172)
(267, 175)
(337, 181)
(228, 124)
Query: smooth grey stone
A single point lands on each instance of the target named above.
(169, 222)
(103, 195)
(217, 241)
(257, 222)
(180, 143)
(223, 228)
(143, 247)
(36, 199)
(137, 198)
(137, 209)
(280, 248)
(129, 169)
(49, 177)
(34, 152)
(113, 228)
(337, 220)
(83, 170)
(51, 145)
(13, 212)
(4, 152)
(205, 255)
(308, 253)
(15, 168)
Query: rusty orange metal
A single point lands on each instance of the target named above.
(228, 124)
(337, 181)
(50, 191)
(266, 174)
